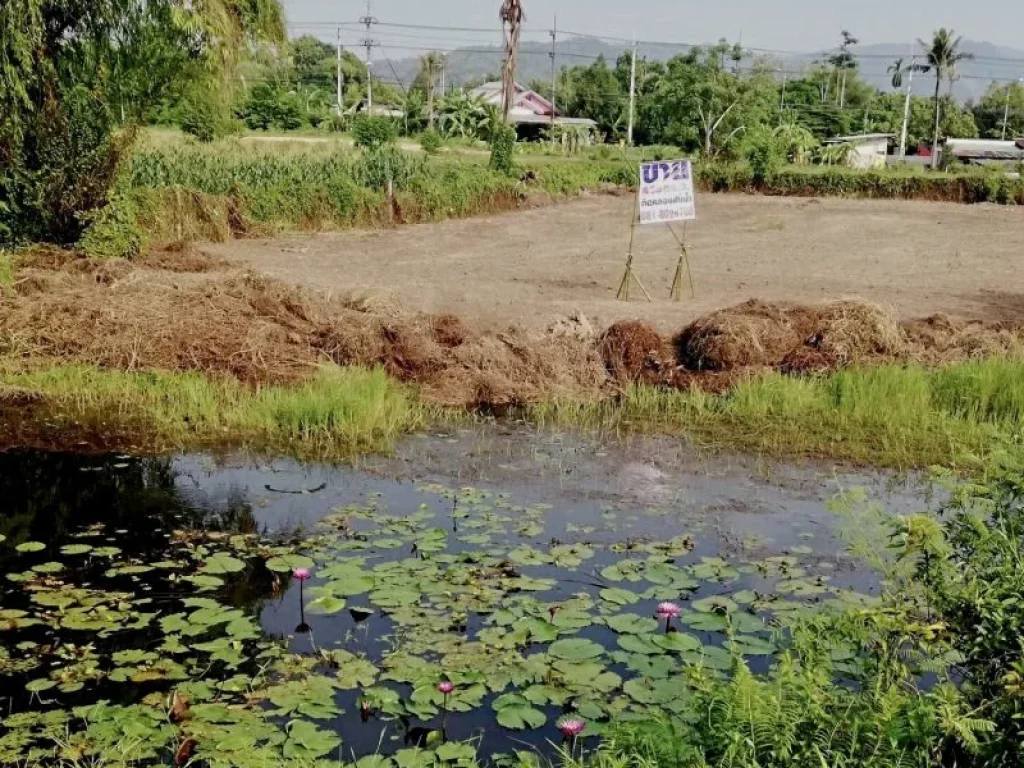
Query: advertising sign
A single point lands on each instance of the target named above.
(666, 192)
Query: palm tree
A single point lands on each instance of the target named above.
(430, 66)
(943, 55)
(896, 70)
(512, 22)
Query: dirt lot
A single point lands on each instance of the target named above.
(531, 266)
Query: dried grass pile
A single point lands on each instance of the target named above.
(634, 352)
(262, 331)
(754, 334)
(164, 314)
(790, 336)
(939, 339)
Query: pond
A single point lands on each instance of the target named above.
(151, 605)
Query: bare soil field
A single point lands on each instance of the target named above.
(533, 266)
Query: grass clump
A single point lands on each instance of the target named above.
(891, 415)
(339, 413)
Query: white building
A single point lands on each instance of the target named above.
(530, 111)
(868, 150)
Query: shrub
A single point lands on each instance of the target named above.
(199, 118)
(431, 141)
(289, 112)
(61, 168)
(503, 147)
(370, 132)
(336, 123)
(114, 232)
(266, 107)
(765, 155)
(973, 579)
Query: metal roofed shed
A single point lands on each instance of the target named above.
(868, 150)
(983, 151)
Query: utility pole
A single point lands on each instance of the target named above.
(1006, 112)
(554, 83)
(906, 104)
(782, 99)
(632, 94)
(341, 84)
(444, 67)
(369, 20)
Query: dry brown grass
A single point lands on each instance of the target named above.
(754, 334)
(813, 338)
(262, 331)
(634, 352)
(182, 312)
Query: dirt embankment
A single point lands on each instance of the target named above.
(187, 312)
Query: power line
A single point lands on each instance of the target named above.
(625, 41)
(369, 20)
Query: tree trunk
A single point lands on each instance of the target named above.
(430, 104)
(938, 118)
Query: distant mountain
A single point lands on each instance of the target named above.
(991, 62)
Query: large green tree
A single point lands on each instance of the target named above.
(594, 92)
(707, 104)
(1000, 112)
(70, 69)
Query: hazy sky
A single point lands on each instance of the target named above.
(801, 25)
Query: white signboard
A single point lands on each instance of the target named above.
(666, 192)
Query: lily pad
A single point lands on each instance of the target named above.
(307, 742)
(575, 649)
(640, 644)
(221, 563)
(718, 604)
(677, 641)
(618, 596)
(75, 549)
(31, 546)
(631, 624)
(326, 606)
(289, 563)
(515, 712)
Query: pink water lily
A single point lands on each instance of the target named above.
(446, 687)
(669, 611)
(571, 727)
(301, 574)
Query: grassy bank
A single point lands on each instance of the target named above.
(186, 192)
(340, 413)
(895, 416)
(895, 183)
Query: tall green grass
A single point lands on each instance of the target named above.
(897, 416)
(890, 183)
(339, 413)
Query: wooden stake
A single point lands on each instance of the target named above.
(676, 292)
(630, 276)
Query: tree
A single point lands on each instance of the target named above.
(512, 22)
(943, 55)
(430, 67)
(707, 106)
(65, 63)
(1000, 112)
(896, 70)
(593, 91)
(467, 116)
(314, 62)
(843, 62)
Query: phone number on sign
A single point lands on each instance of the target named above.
(663, 214)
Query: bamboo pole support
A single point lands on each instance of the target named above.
(630, 276)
